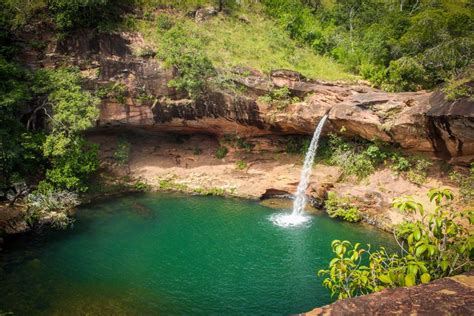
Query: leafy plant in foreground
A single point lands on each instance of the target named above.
(431, 247)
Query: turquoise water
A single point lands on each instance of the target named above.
(173, 254)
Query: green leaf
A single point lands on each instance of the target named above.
(409, 280)
(444, 265)
(425, 278)
(420, 250)
(385, 279)
(417, 234)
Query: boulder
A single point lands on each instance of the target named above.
(204, 14)
(448, 296)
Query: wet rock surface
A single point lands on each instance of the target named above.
(448, 296)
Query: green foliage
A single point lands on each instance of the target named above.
(419, 171)
(221, 152)
(186, 55)
(122, 152)
(114, 90)
(404, 46)
(51, 207)
(357, 159)
(459, 88)
(280, 97)
(405, 73)
(241, 165)
(139, 185)
(243, 144)
(432, 247)
(164, 22)
(210, 191)
(14, 92)
(170, 184)
(230, 42)
(340, 207)
(73, 110)
(360, 158)
(466, 184)
(70, 14)
(297, 145)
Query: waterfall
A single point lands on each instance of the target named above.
(297, 216)
(300, 196)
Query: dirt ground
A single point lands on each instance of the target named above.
(188, 163)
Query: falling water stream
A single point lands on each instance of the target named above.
(297, 216)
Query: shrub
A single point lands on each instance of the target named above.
(466, 184)
(51, 207)
(353, 158)
(164, 22)
(70, 14)
(459, 88)
(242, 144)
(418, 171)
(113, 90)
(432, 247)
(122, 152)
(241, 165)
(221, 152)
(280, 97)
(186, 55)
(405, 74)
(339, 207)
(297, 145)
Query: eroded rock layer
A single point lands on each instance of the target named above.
(418, 121)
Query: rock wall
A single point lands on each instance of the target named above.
(448, 296)
(417, 121)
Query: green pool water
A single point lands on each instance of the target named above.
(172, 254)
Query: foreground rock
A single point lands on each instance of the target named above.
(448, 296)
(418, 121)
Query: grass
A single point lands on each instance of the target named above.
(259, 44)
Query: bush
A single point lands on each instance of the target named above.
(164, 22)
(434, 247)
(242, 144)
(186, 55)
(405, 74)
(113, 90)
(466, 184)
(122, 152)
(51, 207)
(339, 207)
(221, 152)
(419, 171)
(280, 97)
(360, 158)
(241, 165)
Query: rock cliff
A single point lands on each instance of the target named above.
(448, 296)
(417, 121)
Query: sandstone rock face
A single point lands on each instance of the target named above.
(418, 121)
(448, 296)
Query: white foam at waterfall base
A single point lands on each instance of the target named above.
(297, 216)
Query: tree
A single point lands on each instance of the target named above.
(70, 111)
